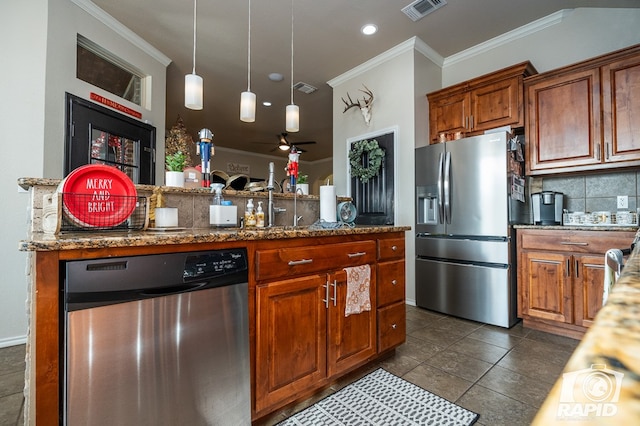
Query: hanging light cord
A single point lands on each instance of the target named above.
(249, 52)
(194, 36)
(291, 52)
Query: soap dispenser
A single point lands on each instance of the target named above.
(249, 215)
(260, 216)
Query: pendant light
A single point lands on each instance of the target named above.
(248, 99)
(292, 117)
(193, 82)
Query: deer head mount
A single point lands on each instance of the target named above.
(364, 105)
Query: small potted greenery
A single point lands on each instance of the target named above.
(303, 184)
(175, 164)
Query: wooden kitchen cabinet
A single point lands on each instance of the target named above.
(391, 309)
(585, 116)
(561, 277)
(303, 338)
(486, 102)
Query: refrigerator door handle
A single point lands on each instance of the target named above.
(440, 190)
(447, 187)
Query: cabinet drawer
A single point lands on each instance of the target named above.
(597, 242)
(392, 248)
(294, 261)
(391, 282)
(392, 326)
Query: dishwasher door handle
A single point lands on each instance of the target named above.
(171, 290)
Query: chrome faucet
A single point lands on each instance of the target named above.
(270, 189)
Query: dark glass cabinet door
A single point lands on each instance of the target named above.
(97, 135)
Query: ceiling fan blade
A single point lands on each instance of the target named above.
(303, 143)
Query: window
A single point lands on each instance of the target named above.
(102, 69)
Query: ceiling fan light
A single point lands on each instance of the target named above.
(292, 118)
(248, 107)
(193, 91)
(283, 146)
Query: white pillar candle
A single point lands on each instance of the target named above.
(166, 217)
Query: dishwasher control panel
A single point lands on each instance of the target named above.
(204, 265)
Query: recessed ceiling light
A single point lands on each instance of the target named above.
(276, 76)
(369, 29)
(266, 103)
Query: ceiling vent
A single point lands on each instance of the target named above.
(421, 8)
(304, 87)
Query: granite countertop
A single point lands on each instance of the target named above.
(601, 381)
(86, 239)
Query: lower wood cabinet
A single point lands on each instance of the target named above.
(561, 277)
(303, 340)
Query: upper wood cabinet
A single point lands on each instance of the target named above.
(486, 102)
(585, 116)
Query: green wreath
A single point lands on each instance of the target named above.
(375, 155)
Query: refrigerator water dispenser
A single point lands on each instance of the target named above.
(427, 204)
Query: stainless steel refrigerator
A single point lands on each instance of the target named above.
(469, 192)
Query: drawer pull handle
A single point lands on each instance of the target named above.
(394, 248)
(394, 326)
(358, 254)
(334, 284)
(300, 262)
(394, 282)
(570, 243)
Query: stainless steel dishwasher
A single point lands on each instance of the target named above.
(157, 340)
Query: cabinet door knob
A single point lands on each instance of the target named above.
(394, 248)
(394, 326)
(394, 282)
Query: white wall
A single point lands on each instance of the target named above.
(39, 48)
(22, 111)
(581, 34)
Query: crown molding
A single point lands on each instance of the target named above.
(414, 43)
(520, 32)
(123, 31)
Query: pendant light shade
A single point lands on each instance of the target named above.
(193, 91)
(248, 107)
(293, 118)
(248, 99)
(193, 82)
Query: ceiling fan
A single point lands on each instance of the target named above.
(285, 145)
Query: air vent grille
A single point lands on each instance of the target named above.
(421, 8)
(304, 87)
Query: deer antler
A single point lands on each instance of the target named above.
(367, 102)
(350, 104)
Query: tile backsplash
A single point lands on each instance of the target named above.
(592, 192)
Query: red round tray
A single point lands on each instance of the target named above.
(96, 195)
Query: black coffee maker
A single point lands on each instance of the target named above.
(547, 207)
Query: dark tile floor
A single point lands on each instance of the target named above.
(504, 375)
(12, 367)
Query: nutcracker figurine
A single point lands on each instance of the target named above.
(206, 151)
(292, 168)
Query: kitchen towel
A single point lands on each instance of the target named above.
(358, 284)
(610, 275)
(328, 203)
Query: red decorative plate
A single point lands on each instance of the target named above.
(96, 195)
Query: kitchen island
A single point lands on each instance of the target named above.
(601, 381)
(276, 281)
